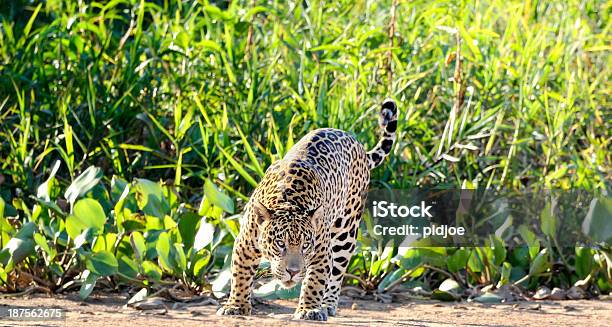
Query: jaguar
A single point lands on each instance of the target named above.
(304, 215)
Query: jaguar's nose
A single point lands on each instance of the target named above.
(292, 272)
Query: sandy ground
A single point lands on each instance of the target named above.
(109, 310)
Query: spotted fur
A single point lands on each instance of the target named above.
(304, 215)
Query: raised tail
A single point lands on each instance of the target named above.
(388, 124)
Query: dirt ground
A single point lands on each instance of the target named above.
(109, 310)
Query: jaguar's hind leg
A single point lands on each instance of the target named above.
(343, 245)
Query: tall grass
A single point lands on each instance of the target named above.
(195, 90)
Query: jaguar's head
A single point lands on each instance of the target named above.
(287, 240)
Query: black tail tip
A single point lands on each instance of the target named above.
(390, 105)
(388, 111)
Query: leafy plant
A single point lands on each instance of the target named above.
(147, 239)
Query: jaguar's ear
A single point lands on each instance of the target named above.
(316, 215)
(260, 211)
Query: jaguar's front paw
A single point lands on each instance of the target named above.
(319, 314)
(234, 310)
(331, 310)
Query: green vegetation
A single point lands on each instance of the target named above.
(117, 117)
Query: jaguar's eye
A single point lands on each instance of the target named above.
(306, 245)
(280, 244)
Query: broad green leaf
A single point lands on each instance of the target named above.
(499, 250)
(291, 293)
(475, 262)
(390, 278)
(118, 209)
(179, 257)
(540, 263)
(154, 223)
(5, 228)
(201, 259)
(584, 261)
(435, 256)
(205, 206)
(56, 269)
(3, 274)
(163, 251)
(548, 221)
(49, 205)
(105, 242)
(138, 245)
(273, 290)
(411, 259)
(127, 266)
(182, 39)
(172, 196)
(530, 239)
(267, 291)
(519, 256)
(169, 223)
(204, 235)
(458, 260)
(598, 222)
(102, 263)
(506, 272)
(150, 198)
(417, 272)
(41, 241)
(217, 197)
(87, 213)
(4, 225)
(88, 284)
(20, 246)
(187, 225)
(90, 213)
(151, 270)
(221, 284)
(117, 188)
(604, 284)
(516, 274)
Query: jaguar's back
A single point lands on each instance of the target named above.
(321, 168)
